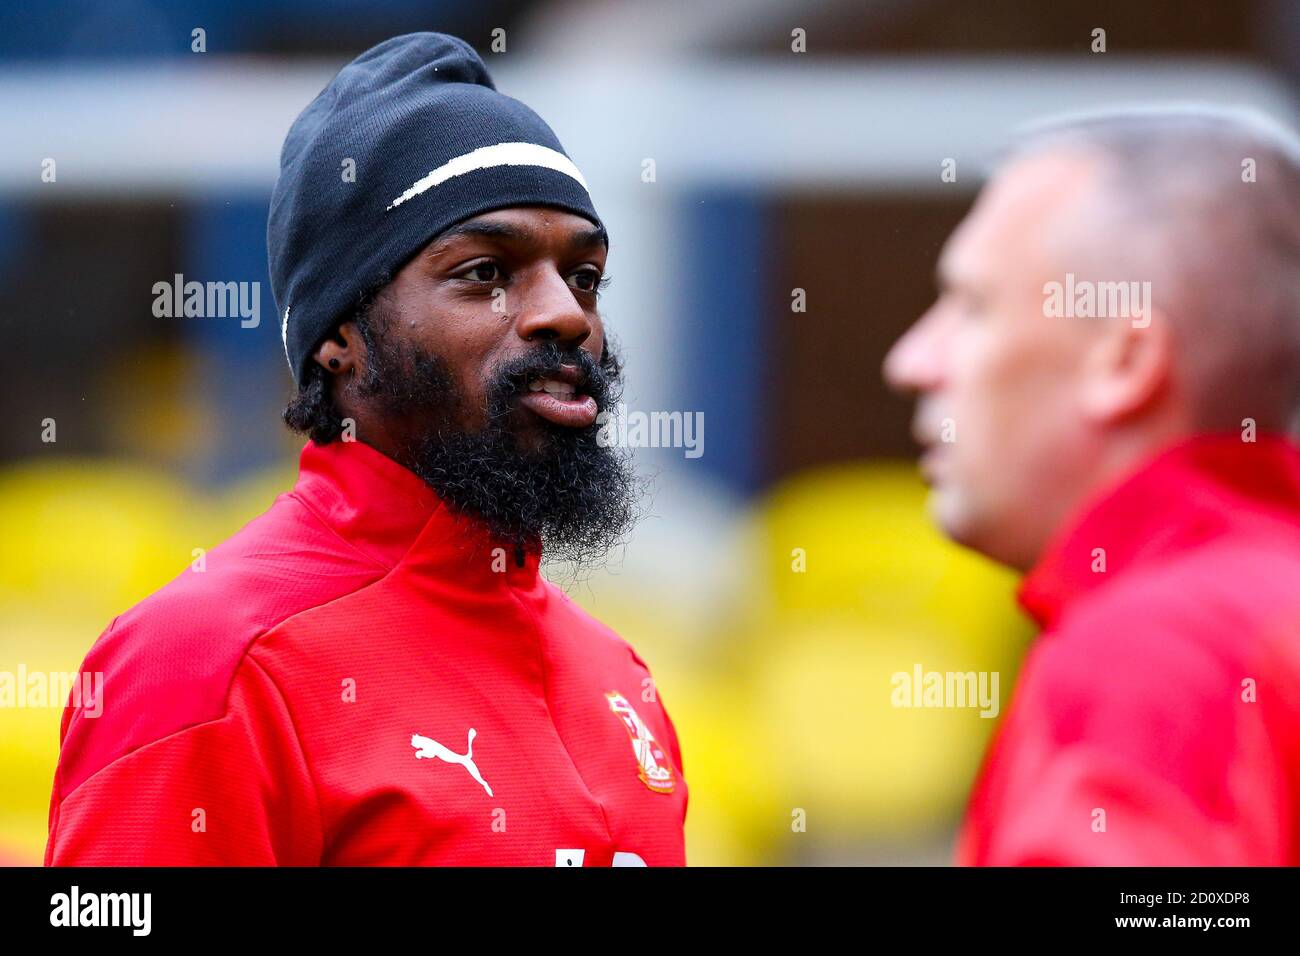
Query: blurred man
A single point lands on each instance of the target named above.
(1108, 382)
(373, 671)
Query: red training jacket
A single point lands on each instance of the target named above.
(358, 677)
(1156, 720)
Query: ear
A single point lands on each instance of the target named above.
(345, 348)
(1129, 367)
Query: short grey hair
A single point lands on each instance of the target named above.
(1223, 251)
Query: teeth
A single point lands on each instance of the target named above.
(551, 387)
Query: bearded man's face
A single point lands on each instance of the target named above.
(484, 366)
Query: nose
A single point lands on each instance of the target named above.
(549, 311)
(915, 363)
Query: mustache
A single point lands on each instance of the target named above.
(599, 379)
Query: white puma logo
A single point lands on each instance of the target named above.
(426, 747)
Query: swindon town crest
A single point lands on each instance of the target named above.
(654, 767)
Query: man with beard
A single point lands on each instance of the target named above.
(373, 671)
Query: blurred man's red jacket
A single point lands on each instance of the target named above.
(358, 677)
(1156, 720)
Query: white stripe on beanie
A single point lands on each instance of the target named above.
(502, 154)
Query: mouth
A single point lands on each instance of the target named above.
(558, 397)
(931, 449)
(926, 463)
(933, 463)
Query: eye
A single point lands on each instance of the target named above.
(588, 279)
(483, 272)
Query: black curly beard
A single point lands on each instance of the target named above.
(569, 495)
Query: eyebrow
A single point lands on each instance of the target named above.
(584, 239)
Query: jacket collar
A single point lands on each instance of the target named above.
(391, 516)
(1187, 494)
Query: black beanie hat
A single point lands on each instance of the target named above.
(433, 143)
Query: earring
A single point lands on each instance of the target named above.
(334, 363)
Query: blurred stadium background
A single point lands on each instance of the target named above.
(775, 171)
